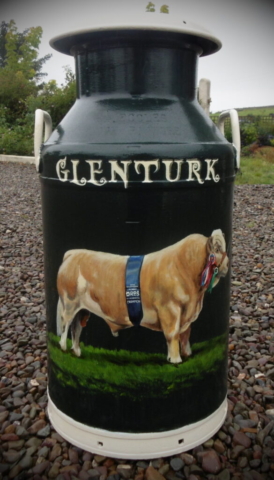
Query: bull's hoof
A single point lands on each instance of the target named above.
(186, 352)
(186, 355)
(63, 346)
(77, 351)
(175, 360)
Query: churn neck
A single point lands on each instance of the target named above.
(138, 63)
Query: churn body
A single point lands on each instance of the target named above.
(137, 187)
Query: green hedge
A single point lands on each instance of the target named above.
(17, 139)
(262, 133)
(16, 134)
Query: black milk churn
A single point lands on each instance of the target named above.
(137, 189)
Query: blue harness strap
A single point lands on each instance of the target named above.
(133, 292)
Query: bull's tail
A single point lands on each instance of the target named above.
(59, 318)
(68, 254)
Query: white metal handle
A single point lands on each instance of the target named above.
(235, 127)
(42, 122)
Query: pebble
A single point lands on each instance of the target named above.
(12, 456)
(264, 432)
(187, 458)
(26, 463)
(85, 476)
(72, 469)
(15, 470)
(43, 452)
(224, 474)
(219, 446)
(16, 445)
(55, 452)
(240, 438)
(33, 442)
(242, 462)
(74, 457)
(164, 469)
(3, 416)
(153, 474)
(37, 426)
(125, 471)
(270, 413)
(157, 463)
(9, 437)
(39, 468)
(44, 432)
(54, 471)
(211, 462)
(176, 463)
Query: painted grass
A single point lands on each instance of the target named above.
(258, 168)
(133, 373)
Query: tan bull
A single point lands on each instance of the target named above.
(170, 282)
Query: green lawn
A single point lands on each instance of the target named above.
(258, 168)
(256, 111)
(243, 112)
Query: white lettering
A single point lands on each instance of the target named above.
(61, 164)
(121, 170)
(194, 169)
(93, 172)
(211, 174)
(168, 164)
(75, 180)
(117, 170)
(146, 164)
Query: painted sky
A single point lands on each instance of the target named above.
(241, 73)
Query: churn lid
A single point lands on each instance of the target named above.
(166, 21)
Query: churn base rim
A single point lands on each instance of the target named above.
(136, 446)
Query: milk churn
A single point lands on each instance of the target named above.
(137, 188)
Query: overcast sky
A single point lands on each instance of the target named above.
(241, 73)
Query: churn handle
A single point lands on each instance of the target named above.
(42, 119)
(235, 127)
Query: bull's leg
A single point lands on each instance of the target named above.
(59, 317)
(76, 329)
(113, 327)
(170, 322)
(63, 341)
(77, 325)
(173, 355)
(185, 345)
(67, 316)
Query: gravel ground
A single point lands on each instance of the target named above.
(31, 449)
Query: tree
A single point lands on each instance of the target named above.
(22, 47)
(4, 27)
(21, 68)
(55, 100)
(17, 139)
(20, 91)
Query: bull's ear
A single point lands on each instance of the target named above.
(209, 245)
